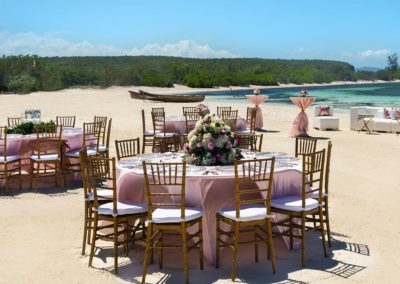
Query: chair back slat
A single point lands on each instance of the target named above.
(157, 109)
(13, 121)
(230, 118)
(250, 141)
(305, 145)
(191, 118)
(66, 121)
(103, 126)
(127, 148)
(222, 109)
(165, 186)
(189, 109)
(253, 183)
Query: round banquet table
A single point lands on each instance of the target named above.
(300, 124)
(257, 100)
(177, 124)
(23, 145)
(209, 188)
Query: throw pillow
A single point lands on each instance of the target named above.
(324, 111)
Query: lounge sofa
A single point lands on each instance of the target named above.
(328, 121)
(379, 123)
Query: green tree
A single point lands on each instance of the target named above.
(393, 65)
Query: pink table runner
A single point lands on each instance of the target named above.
(300, 124)
(257, 100)
(210, 193)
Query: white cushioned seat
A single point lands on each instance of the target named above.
(9, 158)
(166, 134)
(315, 194)
(47, 157)
(102, 148)
(123, 208)
(382, 124)
(103, 193)
(150, 133)
(75, 153)
(325, 122)
(245, 131)
(293, 203)
(173, 215)
(248, 212)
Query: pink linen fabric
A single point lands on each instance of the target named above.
(324, 111)
(257, 100)
(300, 124)
(210, 194)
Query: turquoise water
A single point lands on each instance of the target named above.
(338, 96)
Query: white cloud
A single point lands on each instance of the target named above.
(299, 50)
(31, 43)
(380, 53)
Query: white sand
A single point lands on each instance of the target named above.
(40, 236)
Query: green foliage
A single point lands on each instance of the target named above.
(28, 127)
(53, 73)
(21, 84)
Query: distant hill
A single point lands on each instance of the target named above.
(368, 69)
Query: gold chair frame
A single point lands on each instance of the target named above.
(13, 121)
(127, 148)
(230, 118)
(9, 169)
(66, 121)
(189, 109)
(222, 109)
(305, 145)
(250, 141)
(148, 137)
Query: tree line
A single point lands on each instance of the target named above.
(27, 73)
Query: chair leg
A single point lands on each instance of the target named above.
(314, 221)
(328, 227)
(270, 245)
(217, 243)
(20, 175)
(291, 232)
(303, 230)
(31, 175)
(201, 244)
(147, 251)
(184, 251)
(126, 227)
(255, 245)
(115, 220)
(93, 239)
(85, 228)
(235, 250)
(143, 144)
(6, 178)
(322, 231)
(161, 252)
(90, 224)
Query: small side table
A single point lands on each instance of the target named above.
(366, 118)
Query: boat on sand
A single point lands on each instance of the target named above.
(142, 95)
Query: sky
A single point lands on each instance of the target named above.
(361, 32)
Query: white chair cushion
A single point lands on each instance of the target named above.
(103, 193)
(173, 215)
(315, 194)
(166, 134)
(247, 213)
(293, 203)
(9, 158)
(123, 208)
(75, 153)
(246, 131)
(48, 157)
(150, 133)
(102, 148)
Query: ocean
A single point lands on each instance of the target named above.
(338, 96)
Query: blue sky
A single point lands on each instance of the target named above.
(362, 33)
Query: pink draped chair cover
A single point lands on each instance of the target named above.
(300, 124)
(24, 144)
(210, 193)
(177, 124)
(257, 100)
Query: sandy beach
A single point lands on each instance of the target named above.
(40, 236)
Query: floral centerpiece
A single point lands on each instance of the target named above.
(211, 143)
(202, 109)
(256, 91)
(303, 92)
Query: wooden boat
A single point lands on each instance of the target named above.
(142, 95)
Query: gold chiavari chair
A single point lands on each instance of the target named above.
(104, 149)
(189, 109)
(13, 121)
(66, 121)
(222, 109)
(103, 196)
(10, 165)
(117, 212)
(167, 212)
(103, 128)
(252, 211)
(157, 109)
(230, 118)
(71, 161)
(301, 207)
(127, 148)
(305, 145)
(250, 141)
(190, 119)
(250, 121)
(45, 160)
(148, 136)
(163, 140)
(325, 190)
